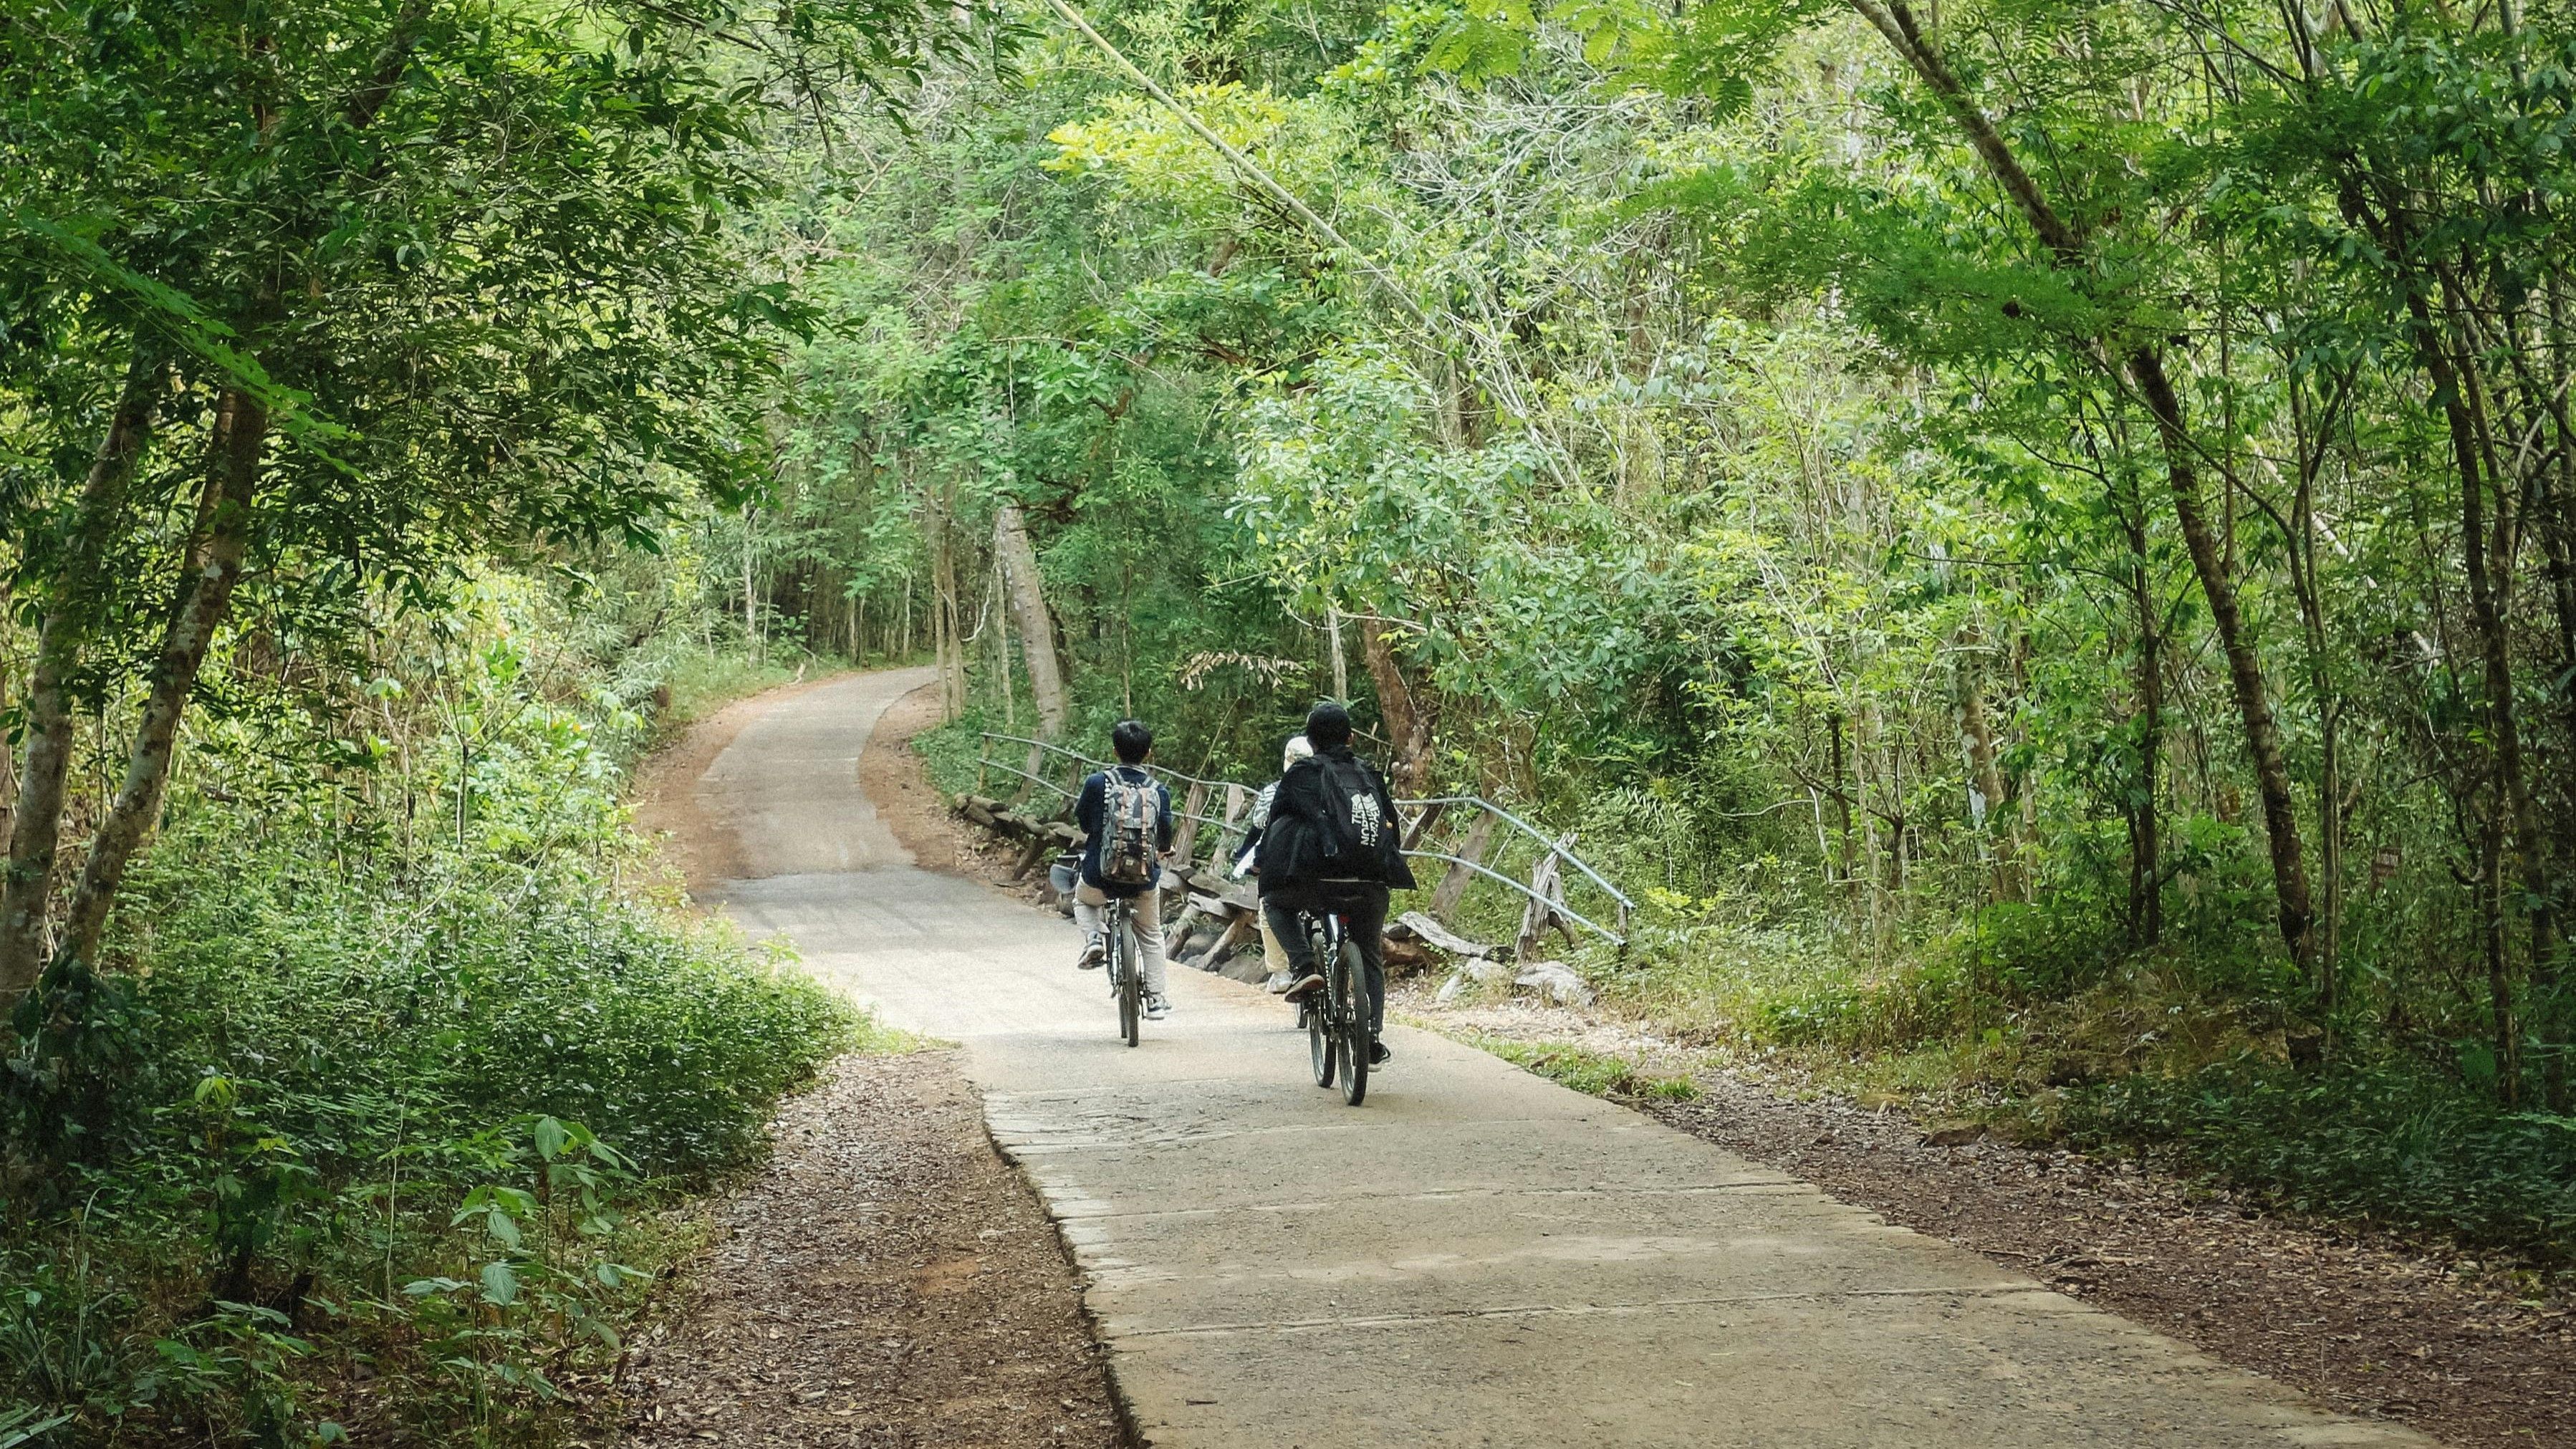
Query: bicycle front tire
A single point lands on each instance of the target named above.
(1350, 993)
(1131, 1002)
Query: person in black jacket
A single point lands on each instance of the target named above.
(1333, 844)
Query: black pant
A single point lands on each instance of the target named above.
(1362, 908)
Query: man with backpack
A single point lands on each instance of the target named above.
(1333, 844)
(1126, 820)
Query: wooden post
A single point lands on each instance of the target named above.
(1187, 834)
(1238, 804)
(1453, 886)
(1547, 893)
(1423, 822)
(1237, 927)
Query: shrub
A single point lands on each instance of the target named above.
(355, 1089)
(2382, 1142)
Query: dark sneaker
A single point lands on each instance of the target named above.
(1378, 1054)
(1306, 985)
(1095, 954)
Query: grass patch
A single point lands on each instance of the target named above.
(697, 679)
(1593, 1073)
(950, 751)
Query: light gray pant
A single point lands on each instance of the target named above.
(1147, 916)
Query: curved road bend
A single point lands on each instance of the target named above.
(1476, 1257)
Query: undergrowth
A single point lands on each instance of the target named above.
(379, 1119)
(2378, 1141)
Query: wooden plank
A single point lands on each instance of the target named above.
(1431, 933)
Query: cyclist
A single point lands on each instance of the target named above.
(1271, 954)
(1333, 844)
(1126, 819)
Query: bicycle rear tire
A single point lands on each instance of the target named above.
(1130, 990)
(1321, 1045)
(1350, 998)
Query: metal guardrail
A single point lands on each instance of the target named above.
(1207, 789)
(1088, 764)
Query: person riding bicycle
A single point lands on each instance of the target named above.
(1126, 820)
(1333, 844)
(1272, 956)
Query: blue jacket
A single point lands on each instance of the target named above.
(1091, 811)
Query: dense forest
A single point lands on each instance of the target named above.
(2042, 533)
(2038, 539)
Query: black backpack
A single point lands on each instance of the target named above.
(1358, 832)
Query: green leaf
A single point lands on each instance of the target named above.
(550, 1138)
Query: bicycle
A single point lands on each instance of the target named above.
(1126, 974)
(1117, 941)
(1336, 1018)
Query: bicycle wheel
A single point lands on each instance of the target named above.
(1323, 1039)
(1321, 1045)
(1350, 1001)
(1131, 990)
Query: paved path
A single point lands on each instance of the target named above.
(1476, 1257)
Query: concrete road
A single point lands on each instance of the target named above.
(1477, 1256)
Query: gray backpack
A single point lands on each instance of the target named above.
(1127, 828)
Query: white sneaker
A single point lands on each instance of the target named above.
(1156, 1008)
(1277, 983)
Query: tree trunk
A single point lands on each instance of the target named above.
(2487, 554)
(200, 600)
(1836, 770)
(1408, 723)
(1977, 737)
(943, 612)
(2297, 912)
(71, 610)
(1029, 612)
(750, 594)
(2146, 810)
(1341, 661)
